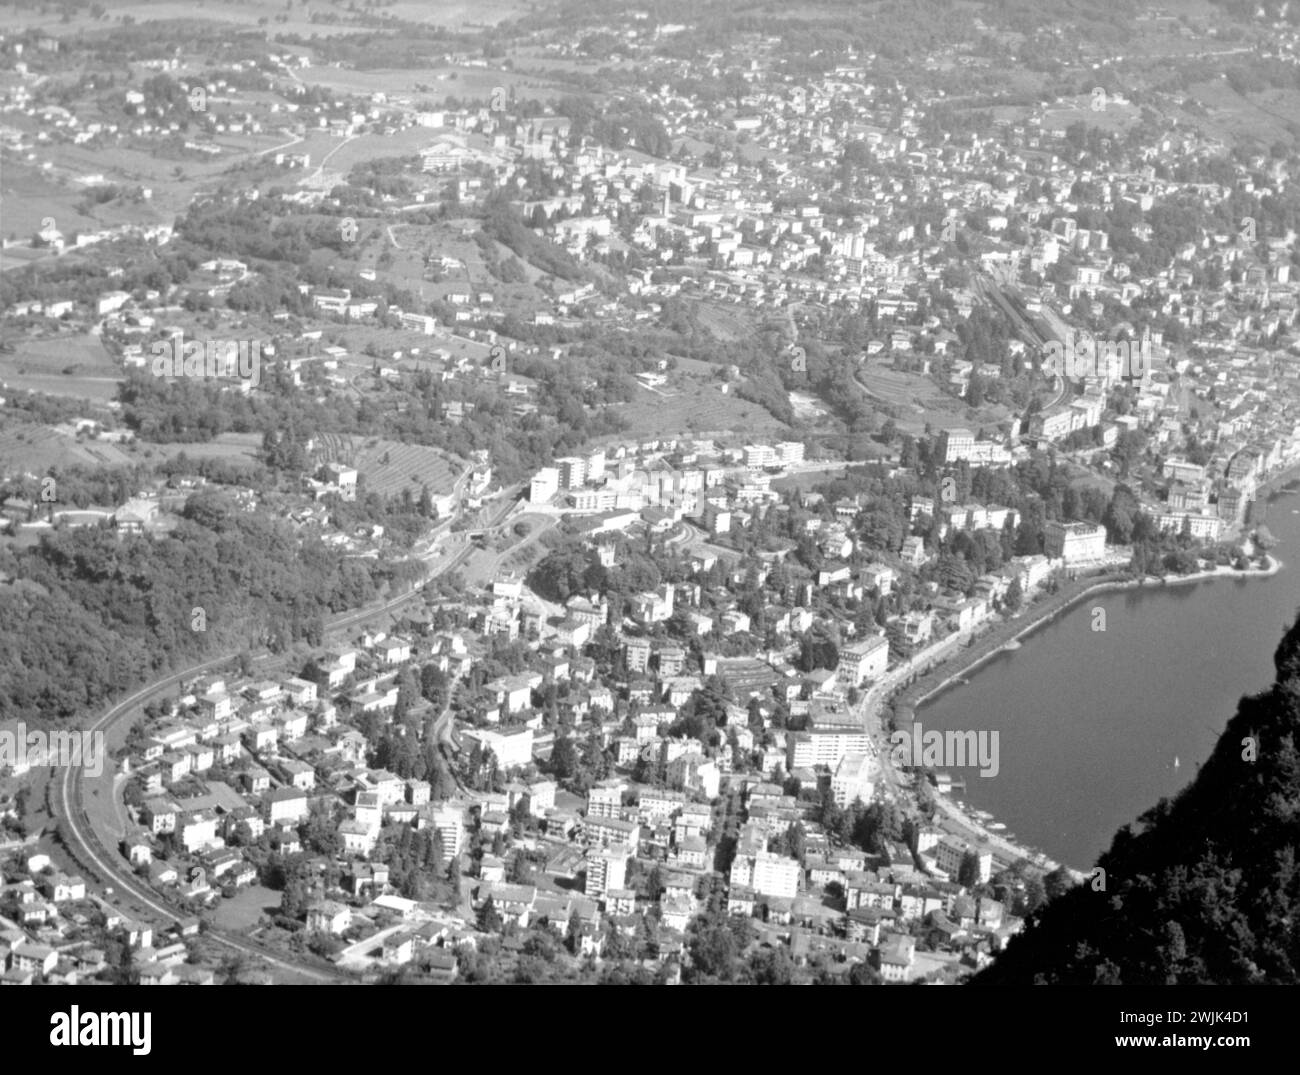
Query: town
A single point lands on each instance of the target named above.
(650, 463)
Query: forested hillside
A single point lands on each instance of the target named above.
(88, 614)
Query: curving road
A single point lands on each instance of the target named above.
(85, 844)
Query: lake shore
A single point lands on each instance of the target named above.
(953, 670)
(956, 667)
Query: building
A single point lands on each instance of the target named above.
(694, 772)
(637, 651)
(894, 959)
(852, 779)
(605, 831)
(545, 484)
(878, 576)
(541, 797)
(863, 660)
(344, 477)
(1183, 471)
(1074, 542)
(327, 916)
(1205, 527)
(956, 444)
(448, 822)
(605, 802)
(950, 851)
(808, 749)
(1053, 424)
(572, 472)
(286, 804)
(606, 869)
(789, 452)
(771, 875)
(513, 748)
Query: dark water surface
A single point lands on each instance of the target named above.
(1090, 722)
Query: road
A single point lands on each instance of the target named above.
(954, 819)
(85, 846)
(318, 176)
(283, 145)
(78, 832)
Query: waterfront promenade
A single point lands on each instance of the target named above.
(935, 669)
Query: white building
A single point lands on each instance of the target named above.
(449, 823)
(775, 875)
(852, 779)
(863, 660)
(606, 869)
(806, 750)
(949, 853)
(1075, 542)
(545, 484)
(513, 748)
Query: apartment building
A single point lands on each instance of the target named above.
(808, 749)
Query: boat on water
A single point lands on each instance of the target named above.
(997, 826)
(1013, 644)
(1177, 763)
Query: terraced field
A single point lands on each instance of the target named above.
(695, 407)
(33, 449)
(388, 467)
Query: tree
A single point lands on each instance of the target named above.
(489, 918)
(1057, 882)
(521, 871)
(120, 957)
(324, 945)
(233, 969)
(864, 974)
(564, 758)
(968, 873)
(771, 966)
(793, 842)
(294, 899)
(713, 951)
(1035, 895)
(654, 884)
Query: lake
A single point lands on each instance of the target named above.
(1090, 722)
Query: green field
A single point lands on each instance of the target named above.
(463, 83)
(245, 909)
(695, 408)
(918, 400)
(73, 366)
(225, 446)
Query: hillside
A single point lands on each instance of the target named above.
(1203, 889)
